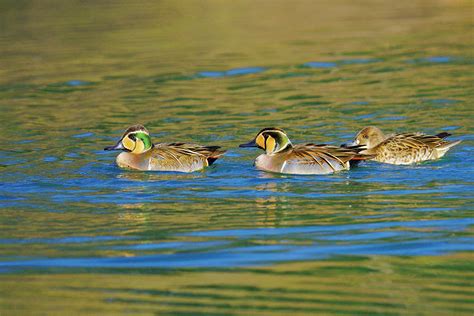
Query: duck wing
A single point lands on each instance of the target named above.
(435, 141)
(414, 141)
(211, 153)
(408, 148)
(321, 159)
(183, 156)
(420, 146)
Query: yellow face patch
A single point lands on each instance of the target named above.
(128, 143)
(270, 144)
(139, 147)
(260, 141)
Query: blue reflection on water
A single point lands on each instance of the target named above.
(320, 64)
(251, 256)
(83, 135)
(231, 72)
(434, 60)
(76, 83)
(353, 61)
(439, 59)
(433, 237)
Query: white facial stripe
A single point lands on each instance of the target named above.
(139, 131)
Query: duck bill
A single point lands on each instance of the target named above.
(250, 144)
(350, 144)
(117, 146)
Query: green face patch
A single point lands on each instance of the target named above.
(145, 138)
(276, 141)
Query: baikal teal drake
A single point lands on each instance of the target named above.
(282, 156)
(405, 148)
(139, 153)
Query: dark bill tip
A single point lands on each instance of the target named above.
(349, 144)
(250, 144)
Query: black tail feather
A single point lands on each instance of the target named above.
(213, 148)
(210, 160)
(216, 152)
(443, 135)
(354, 163)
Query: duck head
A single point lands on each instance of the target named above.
(270, 139)
(369, 136)
(136, 140)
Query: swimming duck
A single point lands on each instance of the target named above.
(284, 157)
(403, 149)
(140, 153)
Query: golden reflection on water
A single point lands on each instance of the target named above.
(270, 210)
(379, 285)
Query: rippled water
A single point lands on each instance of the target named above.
(80, 236)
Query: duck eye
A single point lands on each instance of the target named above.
(132, 137)
(366, 136)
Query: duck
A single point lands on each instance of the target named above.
(139, 153)
(281, 156)
(403, 148)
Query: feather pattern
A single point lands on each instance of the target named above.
(310, 159)
(180, 157)
(404, 148)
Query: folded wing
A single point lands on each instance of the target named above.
(321, 159)
(183, 156)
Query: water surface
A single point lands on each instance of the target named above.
(78, 235)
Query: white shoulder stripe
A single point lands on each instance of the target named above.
(283, 166)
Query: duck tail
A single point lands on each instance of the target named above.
(214, 153)
(446, 145)
(443, 135)
(440, 151)
(454, 143)
(359, 157)
(356, 159)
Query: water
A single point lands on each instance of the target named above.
(80, 236)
